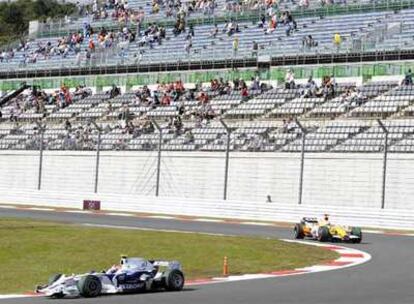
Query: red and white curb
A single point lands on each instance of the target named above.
(185, 218)
(349, 257)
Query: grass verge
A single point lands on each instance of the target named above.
(30, 251)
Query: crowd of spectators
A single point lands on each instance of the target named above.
(353, 97)
(327, 88)
(80, 138)
(121, 10)
(275, 14)
(35, 100)
(174, 94)
(310, 89)
(172, 8)
(6, 55)
(244, 5)
(273, 18)
(92, 46)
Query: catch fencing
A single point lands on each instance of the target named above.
(234, 169)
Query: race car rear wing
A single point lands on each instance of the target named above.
(310, 219)
(168, 264)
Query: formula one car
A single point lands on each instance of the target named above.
(323, 231)
(131, 276)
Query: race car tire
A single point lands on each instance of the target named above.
(90, 286)
(174, 280)
(54, 278)
(357, 232)
(324, 234)
(298, 232)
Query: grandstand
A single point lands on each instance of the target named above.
(70, 89)
(126, 43)
(261, 122)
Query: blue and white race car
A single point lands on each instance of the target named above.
(131, 276)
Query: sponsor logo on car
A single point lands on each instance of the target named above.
(132, 286)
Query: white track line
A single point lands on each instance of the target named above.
(208, 220)
(166, 217)
(162, 217)
(41, 209)
(119, 214)
(79, 211)
(152, 229)
(257, 223)
(373, 231)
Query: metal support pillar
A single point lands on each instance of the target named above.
(98, 151)
(42, 136)
(302, 161)
(226, 168)
(157, 185)
(384, 162)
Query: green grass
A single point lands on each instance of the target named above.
(30, 251)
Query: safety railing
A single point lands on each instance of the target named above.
(310, 166)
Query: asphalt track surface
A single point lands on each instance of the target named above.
(388, 278)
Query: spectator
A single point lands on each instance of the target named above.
(115, 91)
(291, 125)
(272, 24)
(165, 100)
(285, 126)
(214, 31)
(337, 41)
(244, 93)
(255, 49)
(91, 46)
(188, 44)
(255, 85)
(262, 21)
(189, 137)
(310, 89)
(308, 42)
(78, 59)
(109, 108)
(235, 46)
(88, 56)
(232, 27)
(408, 79)
(290, 79)
(191, 30)
(328, 86)
(68, 125)
(124, 115)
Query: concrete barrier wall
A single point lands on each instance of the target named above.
(331, 180)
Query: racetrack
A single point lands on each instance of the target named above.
(387, 278)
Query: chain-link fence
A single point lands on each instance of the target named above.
(340, 164)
